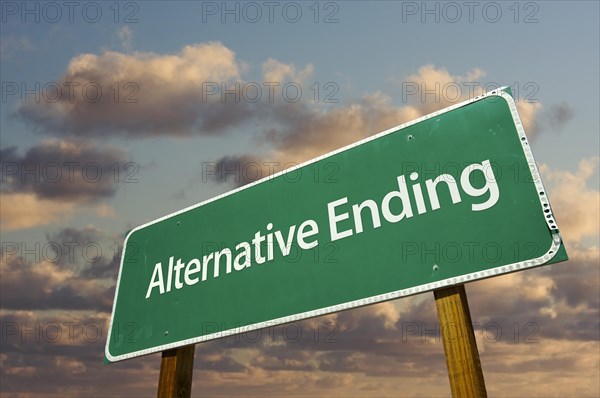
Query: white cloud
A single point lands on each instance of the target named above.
(575, 203)
(142, 94)
(26, 210)
(276, 71)
(11, 45)
(528, 112)
(437, 88)
(126, 37)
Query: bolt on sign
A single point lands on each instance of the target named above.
(449, 198)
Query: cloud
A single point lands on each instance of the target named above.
(200, 90)
(11, 45)
(575, 203)
(59, 353)
(126, 37)
(55, 179)
(45, 285)
(105, 211)
(538, 119)
(301, 132)
(307, 132)
(26, 210)
(142, 94)
(240, 170)
(573, 311)
(66, 170)
(276, 71)
(559, 301)
(96, 253)
(546, 368)
(72, 269)
(435, 88)
(528, 112)
(559, 115)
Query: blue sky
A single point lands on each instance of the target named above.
(366, 56)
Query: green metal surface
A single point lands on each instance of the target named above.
(452, 244)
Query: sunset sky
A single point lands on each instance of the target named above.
(114, 113)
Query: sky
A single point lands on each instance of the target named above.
(115, 113)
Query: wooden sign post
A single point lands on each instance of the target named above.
(176, 368)
(462, 357)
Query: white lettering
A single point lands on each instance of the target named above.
(303, 234)
(333, 220)
(402, 194)
(490, 186)
(190, 271)
(238, 265)
(285, 246)
(156, 281)
(356, 209)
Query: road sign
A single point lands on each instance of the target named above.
(449, 198)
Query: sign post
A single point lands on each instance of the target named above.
(462, 357)
(176, 369)
(450, 198)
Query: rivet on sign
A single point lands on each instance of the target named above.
(166, 332)
(435, 267)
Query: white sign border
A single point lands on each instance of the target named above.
(543, 197)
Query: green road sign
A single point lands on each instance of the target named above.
(452, 197)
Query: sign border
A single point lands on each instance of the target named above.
(550, 253)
